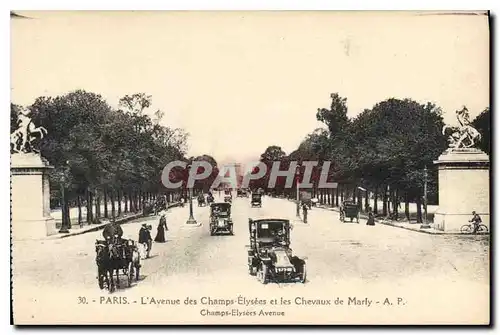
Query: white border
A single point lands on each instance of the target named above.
(178, 5)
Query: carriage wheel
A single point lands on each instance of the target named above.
(137, 271)
(100, 278)
(130, 273)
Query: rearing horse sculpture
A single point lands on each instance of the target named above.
(464, 136)
(21, 139)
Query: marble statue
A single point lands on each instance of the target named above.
(465, 135)
(22, 138)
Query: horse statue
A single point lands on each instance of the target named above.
(22, 138)
(465, 135)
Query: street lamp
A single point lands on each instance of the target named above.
(191, 219)
(62, 178)
(426, 224)
(297, 175)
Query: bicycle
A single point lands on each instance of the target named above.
(469, 229)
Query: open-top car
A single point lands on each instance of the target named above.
(220, 218)
(270, 256)
(256, 200)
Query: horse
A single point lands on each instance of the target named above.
(103, 261)
(460, 134)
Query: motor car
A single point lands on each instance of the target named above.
(220, 218)
(256, 200)
(349, 209)
(270, 257)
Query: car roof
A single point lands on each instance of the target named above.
(270, 219)
(220, 204)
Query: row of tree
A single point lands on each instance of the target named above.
(105, 156)
(382, 153)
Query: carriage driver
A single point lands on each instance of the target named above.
(111, 230)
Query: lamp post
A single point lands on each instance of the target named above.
(426, 224)
(191, 219)
(297, 175)
(64, 225)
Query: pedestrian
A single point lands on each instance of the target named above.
(371, 218)
(162, 229)
(304, 211)
(145, 239)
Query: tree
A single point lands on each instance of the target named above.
(335, 118)
(483, 124)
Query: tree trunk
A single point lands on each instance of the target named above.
(105, 203)
(419, 209)
(384, 209)
(125, 201)
(89, 206)
(395, 204)
(66, 211)
(342, 194)
(407, 206)
(98, 207)
(79, 204)
(119, 197)
(375, 201)
(360, 200)
(328, 197)
(337, 196)
(367, 202)
(113, 207)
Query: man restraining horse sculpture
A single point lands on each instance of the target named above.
(464, 136)
(22, 138)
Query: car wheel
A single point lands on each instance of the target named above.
(262, 274)
(303, 276)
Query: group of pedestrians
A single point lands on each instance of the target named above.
(161, 235)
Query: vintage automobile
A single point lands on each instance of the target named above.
(241, 193)
(220, 218)
(350, 210)
(256, 200)
(270, 257)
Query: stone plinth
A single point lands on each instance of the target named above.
(464, 186)
(30, 197)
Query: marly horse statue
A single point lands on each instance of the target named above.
(22, 138)
(463, 136)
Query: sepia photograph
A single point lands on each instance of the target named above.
(250, 167)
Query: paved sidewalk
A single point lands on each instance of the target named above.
(94, 227)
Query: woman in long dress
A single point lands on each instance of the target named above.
(162, 229)
(371, 218)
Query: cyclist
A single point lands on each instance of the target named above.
(476, 221)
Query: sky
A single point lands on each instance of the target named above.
(238, 82)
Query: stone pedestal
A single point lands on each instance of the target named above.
(30, 197)
(464, 186)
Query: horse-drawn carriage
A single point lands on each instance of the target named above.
(350, 210)
(201, 201)
(116, 257)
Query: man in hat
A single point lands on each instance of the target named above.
(112, 230)
(145, 238)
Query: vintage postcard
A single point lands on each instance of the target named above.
(250, 167)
